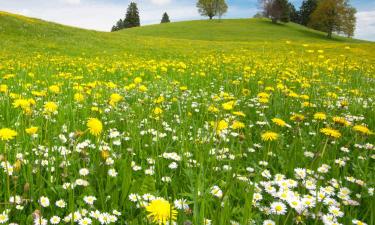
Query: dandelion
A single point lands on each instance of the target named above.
(320, 116)
(362, 129)
(7, 134)
(50, 107)
(161, 212)
(157, 111)
(95, 126)
(330, 132)
(32, 130)
(279, 122)
(269, 136)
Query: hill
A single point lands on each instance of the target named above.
(24, 34)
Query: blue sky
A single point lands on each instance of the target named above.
(102, 14)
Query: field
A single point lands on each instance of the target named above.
(200, 122)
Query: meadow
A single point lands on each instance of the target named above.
(201, 122)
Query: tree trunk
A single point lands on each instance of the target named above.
(210, 17)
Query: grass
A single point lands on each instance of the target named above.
(230, 122)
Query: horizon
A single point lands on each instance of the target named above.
(84, 13)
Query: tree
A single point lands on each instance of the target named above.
(307, 8)
(212, 8)
(132, 16)
(119, 25)
(276, 10)
(165, 18)
(349, 21)
(293, 14)
(221, 7)
(333, 16)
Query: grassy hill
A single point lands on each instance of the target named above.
(26, 34)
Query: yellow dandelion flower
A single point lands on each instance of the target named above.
(340, 120)
(161, 212)
(50, 107)
(95, 126)
(157, 111)
(7, 134)
(330, 132)
(362, 129)
(78, 97)
(32, 130)
(279, 122)
(237, 125)
(269, 136)
(297, 117)
(320, 116)
(228, 105)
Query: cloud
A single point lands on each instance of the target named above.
(160, 2)
(71, 2)
(365, 25)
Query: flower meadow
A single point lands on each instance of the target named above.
(237, 137)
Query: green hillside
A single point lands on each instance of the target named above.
(23, 34)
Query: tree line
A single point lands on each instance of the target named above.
(325, 15)
(329, 16)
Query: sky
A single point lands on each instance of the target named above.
(102, 14)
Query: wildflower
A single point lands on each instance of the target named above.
(78, 97)
(89, 199)
(269, 222)
(161, 212)
(114, 99)
(157, 111)
(216, 191)
(60, 203)
(341, 121)
(181, 204)
(31, 130)
(228, 105)
(95, 126)
(269, 136)
(331, 132)
(320, 116)
(44, 201)
(237, 125)
(50, 107)
(279, 122)
(363, 130)
(297, 117)
(278, 208)
(7, 134)
(4, 218)
(55, 220)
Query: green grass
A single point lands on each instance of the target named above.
(207, 93)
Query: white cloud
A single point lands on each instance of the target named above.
(366, 25)
(72, 2)
(160, 2)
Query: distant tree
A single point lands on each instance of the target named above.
(293, 14)
(165, 18)
(119, 25)
(212, 8)
(306, 9)
(221, 7)
(349, 21)
(333, 16)
(276, 10)
(258, 15)
(132, 16)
